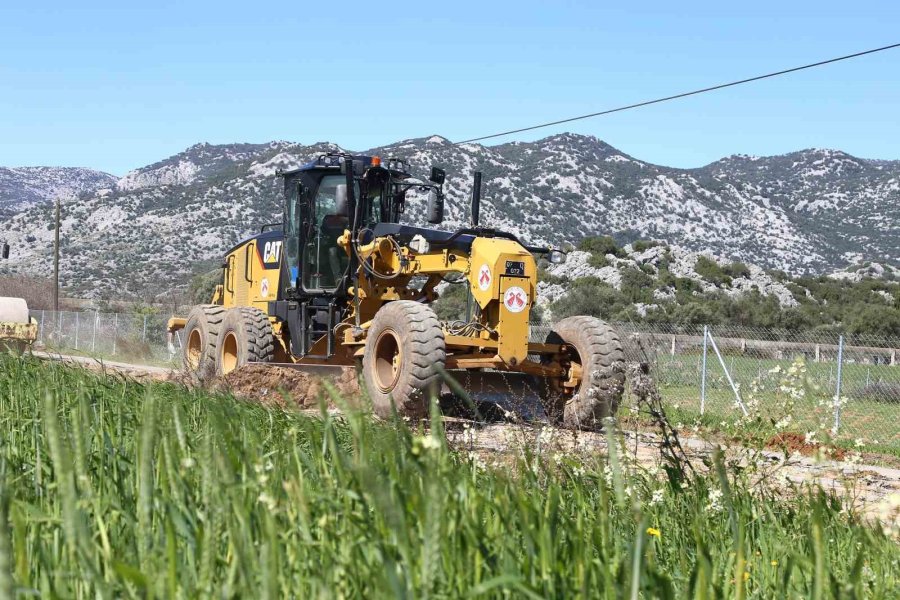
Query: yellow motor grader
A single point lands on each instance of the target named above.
(340, 282)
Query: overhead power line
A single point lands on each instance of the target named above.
(683, 94)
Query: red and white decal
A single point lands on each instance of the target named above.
(484, 277)
(264, 288)
(515, 299)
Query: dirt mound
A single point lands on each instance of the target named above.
(796, 442)
(282, 386)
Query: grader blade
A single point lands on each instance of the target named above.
(515, 393)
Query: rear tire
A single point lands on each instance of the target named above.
(201, 336)
(595, 348)
(246, 337)
(404, 349)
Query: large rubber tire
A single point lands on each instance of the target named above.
(246, 337)
(596, 348)
(404, 349)
(201, 336)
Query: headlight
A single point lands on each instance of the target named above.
(419, 244)
(557, 257)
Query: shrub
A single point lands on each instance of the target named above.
(601, 245)
(710, 270)
(202, 286)
(641, 245)
(736, 270)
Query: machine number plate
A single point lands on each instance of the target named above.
(516, 268)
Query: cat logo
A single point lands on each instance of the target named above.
(272, 252)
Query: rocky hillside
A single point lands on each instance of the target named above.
(808, 211)
(22, 187)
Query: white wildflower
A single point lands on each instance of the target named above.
(715, 501)
(267, 500)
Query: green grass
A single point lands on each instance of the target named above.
(870, 412)
(109, 488)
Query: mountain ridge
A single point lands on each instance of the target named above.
(806, 211)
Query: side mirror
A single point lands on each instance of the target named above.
(341, 205)
(4, 250)
(437, 176)
(556, 257)
(435, 207)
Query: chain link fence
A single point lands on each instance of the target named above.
(116, 336)
(819, 384)
(806, 382)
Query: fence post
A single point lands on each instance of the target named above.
(94, 333)
(837, 391)
(703, 372)
(43, 321)
(144, 333)
(115, 332)
(77, 322)
(737, 394)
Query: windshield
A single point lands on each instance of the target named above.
(324, 261)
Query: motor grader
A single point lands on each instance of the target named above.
(340, 282)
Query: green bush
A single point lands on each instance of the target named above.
(641, 245)
(711, 271)
(598, 261)
(736, 270)
(601, 245)
(637, 286)
(202, 286)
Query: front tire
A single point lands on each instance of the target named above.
(246, 337)
(594, 350)
(201, 336)
(404, 350)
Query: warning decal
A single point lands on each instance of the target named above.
(515, 299)
(264, 288)
(484, 277)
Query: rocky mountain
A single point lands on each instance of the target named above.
(808, 211)
(22, 187)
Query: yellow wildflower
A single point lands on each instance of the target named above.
(774, 563)
(654, 532)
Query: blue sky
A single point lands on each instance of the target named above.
(114, 87)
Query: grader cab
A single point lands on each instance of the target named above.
(340, 282)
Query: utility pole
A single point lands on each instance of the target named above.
(56, 263)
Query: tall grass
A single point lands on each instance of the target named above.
(109, 488)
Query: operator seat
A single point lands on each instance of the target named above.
(332, 228)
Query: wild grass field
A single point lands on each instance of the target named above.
(869, 412)
(111, 488)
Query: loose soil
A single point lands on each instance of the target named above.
(795, 442)
(283, 386)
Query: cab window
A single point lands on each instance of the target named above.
(324, 262)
